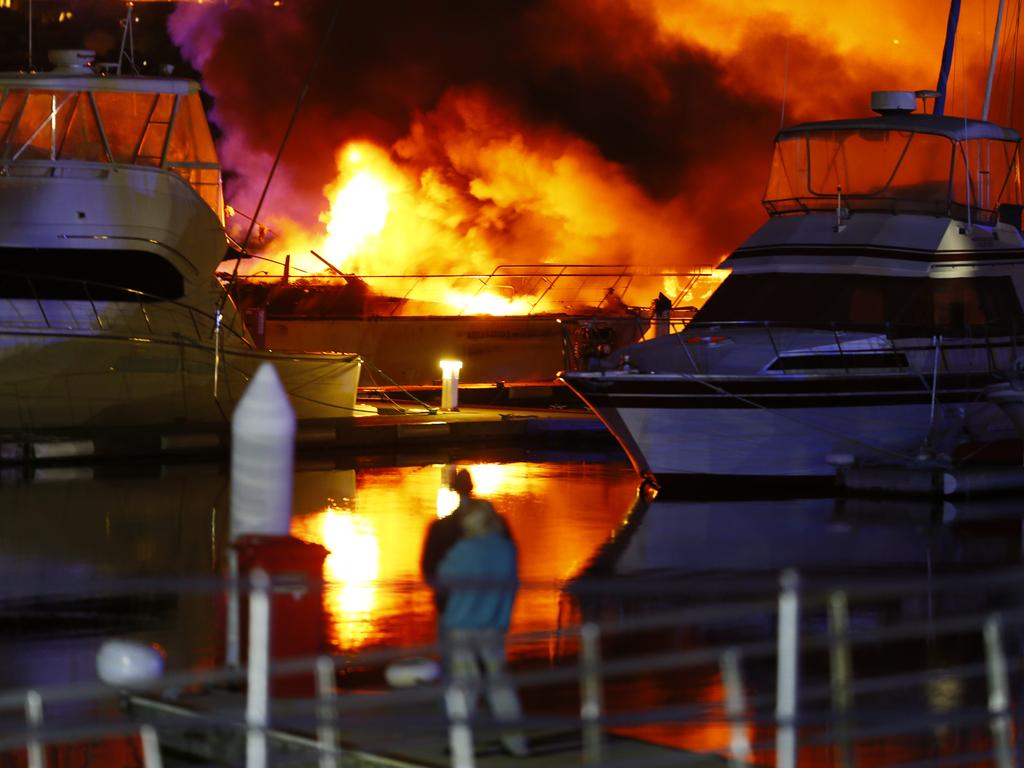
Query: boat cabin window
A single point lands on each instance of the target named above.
(84, 275)
(906, 304)
(891, 171)
(161, 130)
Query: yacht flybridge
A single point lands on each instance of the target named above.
(111, 227)
(864, 319)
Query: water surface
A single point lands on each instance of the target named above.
(591, 547)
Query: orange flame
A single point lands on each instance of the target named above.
(471, 187)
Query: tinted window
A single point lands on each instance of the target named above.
(100, 275)
(864, 300)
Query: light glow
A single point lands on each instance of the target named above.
(450, 368)
(487, 303)
(351, 571)
(447, 501)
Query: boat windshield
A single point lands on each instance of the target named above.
(892, 171)
(905, 304)
(40, 126)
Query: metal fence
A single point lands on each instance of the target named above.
(788, 689)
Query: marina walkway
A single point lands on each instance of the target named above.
(539, 413)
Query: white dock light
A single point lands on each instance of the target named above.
(129, 664)
(450, 384)
(262, 455)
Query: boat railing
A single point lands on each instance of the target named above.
(992, 348)
(520, 289)
(888, 205)
(753, 678)
(40, 302)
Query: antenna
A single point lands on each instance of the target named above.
(785, 82)
(30, 35)
(127, 52)
(939, 107)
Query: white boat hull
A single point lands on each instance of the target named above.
(674, 428)
(55, 381)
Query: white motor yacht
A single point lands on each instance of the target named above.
(111, 228)
(863, 321)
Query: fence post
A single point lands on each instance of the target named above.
(788, 667)
(998, 693)
(258, 678)
(34, 718)
(233, 652)
(326, 733)
(591, 698)
(150, 747)
(732, 680)
(841, 667)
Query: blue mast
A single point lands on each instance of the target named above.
(947, 56)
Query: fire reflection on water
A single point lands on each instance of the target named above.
(351, 571)
(373, 591)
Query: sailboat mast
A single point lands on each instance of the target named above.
(992, 61)
(947, 56)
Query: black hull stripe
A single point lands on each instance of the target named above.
(783, 385)
(825, 251)
(670, 402)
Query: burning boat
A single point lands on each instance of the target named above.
(409, 271)
(111, 227)
(514, 324)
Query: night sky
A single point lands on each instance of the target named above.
(609, 130)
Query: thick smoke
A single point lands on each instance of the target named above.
(685, 122)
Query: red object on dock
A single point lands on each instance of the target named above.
(295, 568)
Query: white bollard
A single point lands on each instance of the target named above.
(262, 457)
(450, 384)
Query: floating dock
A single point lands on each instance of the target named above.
(539, 413)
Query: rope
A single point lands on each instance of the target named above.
(374, 369)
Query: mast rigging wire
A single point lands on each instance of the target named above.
(284, 139)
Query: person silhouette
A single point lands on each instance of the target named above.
(446, 531)
(479, 577)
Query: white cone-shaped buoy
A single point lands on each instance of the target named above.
(262, 457)
(129, 664)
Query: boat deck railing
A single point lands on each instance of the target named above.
(34, 303)
(527, 289)
(740, 678)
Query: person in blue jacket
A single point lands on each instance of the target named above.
(443, 534)
(479, 576)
